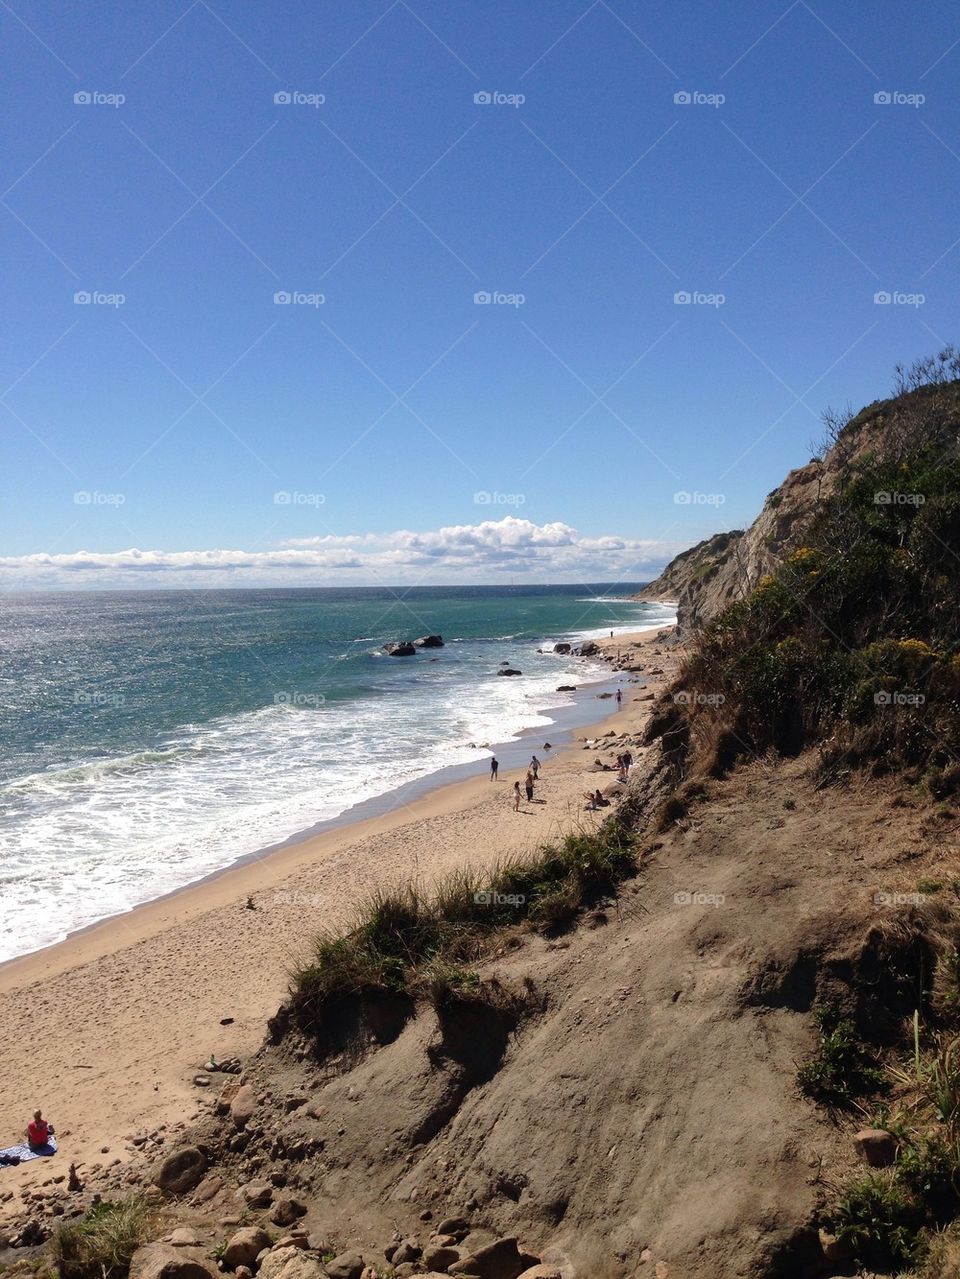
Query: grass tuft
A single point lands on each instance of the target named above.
(101, 1243)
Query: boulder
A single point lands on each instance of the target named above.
(259, 1194)
(245, 1246)
(561, 648)
(429, 641)
(347, 1265)
(499, 1260)
(407, 1250)
(542, 1272)
(566, 688)
(290, 1263)
(182, 1170)
(183, 1237)
(877, 1146)
(161, 1261)
(509, 670)
(456, 1226)
(399, 649)
(286, 1211)
(242, 1107)
(440, 1258)
(208, 1189)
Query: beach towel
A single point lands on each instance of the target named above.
(24, 1153)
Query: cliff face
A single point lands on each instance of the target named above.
(728, 566)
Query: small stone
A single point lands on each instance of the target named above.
(242, 1106)
(440, 1258)
(258, 1194)
(286, 1211)
(456, 1226)
(407, 1250)
(161, 1261)
(183, 1237)
(835, 1251)
(347, 1265)
(182, 1170)
(877, 1146)
(245, 1246)
(202, 1081)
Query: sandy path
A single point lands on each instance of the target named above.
(107, 1029)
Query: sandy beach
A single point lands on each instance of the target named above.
(107, 1029)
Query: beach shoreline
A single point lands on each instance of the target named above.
(125, 1011)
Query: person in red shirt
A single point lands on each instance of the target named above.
(38, 1131)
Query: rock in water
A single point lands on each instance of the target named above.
(429, 641)
(399, 648)
(509, 670)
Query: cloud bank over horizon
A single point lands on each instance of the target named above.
(509, 547)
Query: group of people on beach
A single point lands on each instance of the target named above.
(530, 781)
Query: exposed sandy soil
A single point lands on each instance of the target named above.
(106, 1030)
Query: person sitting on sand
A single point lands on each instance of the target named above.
(516, 797)
(38, 1131)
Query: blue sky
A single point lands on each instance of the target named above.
(584, 196)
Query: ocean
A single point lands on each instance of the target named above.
(148, 739)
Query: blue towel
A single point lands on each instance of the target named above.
(25, 1153)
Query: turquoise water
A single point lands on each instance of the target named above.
(150, 738)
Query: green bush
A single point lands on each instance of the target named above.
(843, 1068)
(405, 938)
(880, 1223)
(101, 1243)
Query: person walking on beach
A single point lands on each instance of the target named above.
(619, 697)
(516, 797)
(535, 768)
(529, 784)
(494, 767)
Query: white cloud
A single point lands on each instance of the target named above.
(460, 552)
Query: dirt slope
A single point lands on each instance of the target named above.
(644, 1098)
